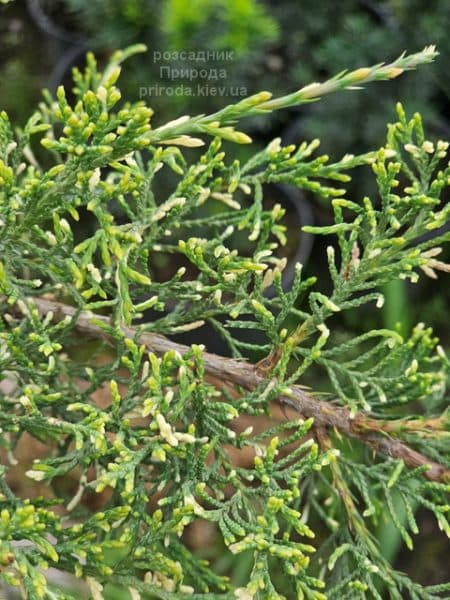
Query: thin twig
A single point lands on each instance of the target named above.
(367, 430)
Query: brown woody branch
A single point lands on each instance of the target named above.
(369, 431)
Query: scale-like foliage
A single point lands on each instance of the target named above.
(110, 228)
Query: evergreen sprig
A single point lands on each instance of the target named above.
(161, 434)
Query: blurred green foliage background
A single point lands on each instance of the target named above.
(277, 46)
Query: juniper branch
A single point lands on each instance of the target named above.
(263, 103)
(371, 432)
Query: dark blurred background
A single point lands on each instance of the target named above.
(265, 45)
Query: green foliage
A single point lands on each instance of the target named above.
(148, 427)
(276, 45)
(240, 24)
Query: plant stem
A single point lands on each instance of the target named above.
(371, 432)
